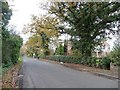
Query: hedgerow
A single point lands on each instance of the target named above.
(89, 61)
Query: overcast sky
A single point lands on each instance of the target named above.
(22, 11)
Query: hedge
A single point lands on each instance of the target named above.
(89, 61)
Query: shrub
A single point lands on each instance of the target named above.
(11, 49)
(90, 61)
(93, 61)
(59, 50)
(106, 63)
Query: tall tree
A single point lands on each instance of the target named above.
(6, 14)
(45, 28)
(11, 42)
(33, 45)
(89, 22)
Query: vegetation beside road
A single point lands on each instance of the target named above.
(89, 25)
(0, 70)
(86, 24)
(115, 53)
(111, 74)
(11, 41)
(103, 63)
(10, 75)
(11, 44)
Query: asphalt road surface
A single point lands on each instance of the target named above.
(39, 74)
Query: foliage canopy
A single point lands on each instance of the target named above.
(89, 22)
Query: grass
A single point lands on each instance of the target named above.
(20, 59)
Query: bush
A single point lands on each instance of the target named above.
(90, 61)
(106, 63)
(59, 50)
(65, 59)
(115, 56)
(115, 53)
(93, 62)
(11, 49)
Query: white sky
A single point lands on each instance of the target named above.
(22, 11)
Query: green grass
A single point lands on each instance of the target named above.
(20, 59)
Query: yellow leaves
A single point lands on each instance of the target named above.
(72, 4)
(42, 24)
(34, 40)
(38, 26)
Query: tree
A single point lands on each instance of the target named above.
(33, 45)
(89, 22)
(11, 49)
(6, 14)
(44, 28)
(11, 42)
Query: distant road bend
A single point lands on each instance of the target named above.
(40, 74)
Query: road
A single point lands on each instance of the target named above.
(40, 74)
